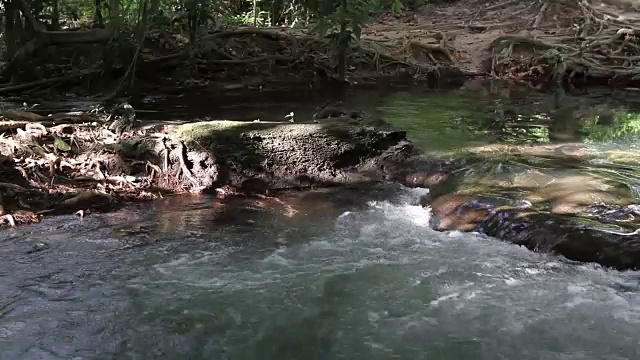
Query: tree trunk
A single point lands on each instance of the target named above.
(343, 42)
(98, 20)
(255, 13)
(114, 15)
(10, 34)
(154, 5)
(55, 15)
(114, 27)
(192, 20)
(18, 29)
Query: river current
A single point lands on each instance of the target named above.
(359, 280)
(328, 274)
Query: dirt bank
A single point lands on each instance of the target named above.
(573, 41)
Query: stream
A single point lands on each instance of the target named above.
(351, 273)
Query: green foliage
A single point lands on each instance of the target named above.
(61, 145)
(78, 9)
(249, 18)
(397, 7)
(351, 13)
(340, 21)
(341, 25)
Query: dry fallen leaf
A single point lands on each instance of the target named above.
(80, 213)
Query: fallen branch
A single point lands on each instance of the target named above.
(45, 38)
(45, 82)
(253, 60)
(540, 16)
(47, 121)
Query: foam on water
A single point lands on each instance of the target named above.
(453, 278)
(376, 283)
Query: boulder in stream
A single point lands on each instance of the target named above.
(580, 238)
(578, 215)
(545, 232)
(282, 155)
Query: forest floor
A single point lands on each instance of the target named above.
(571, 41)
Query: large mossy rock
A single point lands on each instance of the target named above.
(327, 153)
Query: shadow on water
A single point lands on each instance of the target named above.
(343, 273)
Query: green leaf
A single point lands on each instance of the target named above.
(61, 144)
(397, 7)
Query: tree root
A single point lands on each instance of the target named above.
(253, 60)
(602, 47)
(124, 167)
(538, 20)
(430, 49)
(183, 164)
(493, 7)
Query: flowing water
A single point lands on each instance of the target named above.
(328, 274)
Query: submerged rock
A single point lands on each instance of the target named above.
(544, 232)
(451, 212)
(336, 110)
(580, 237)
(82, 201)
(254, 186)
(575, 215)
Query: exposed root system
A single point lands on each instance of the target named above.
(579, 41)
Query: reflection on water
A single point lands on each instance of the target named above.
(478, 113)
(558, 151)
(455, 119)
